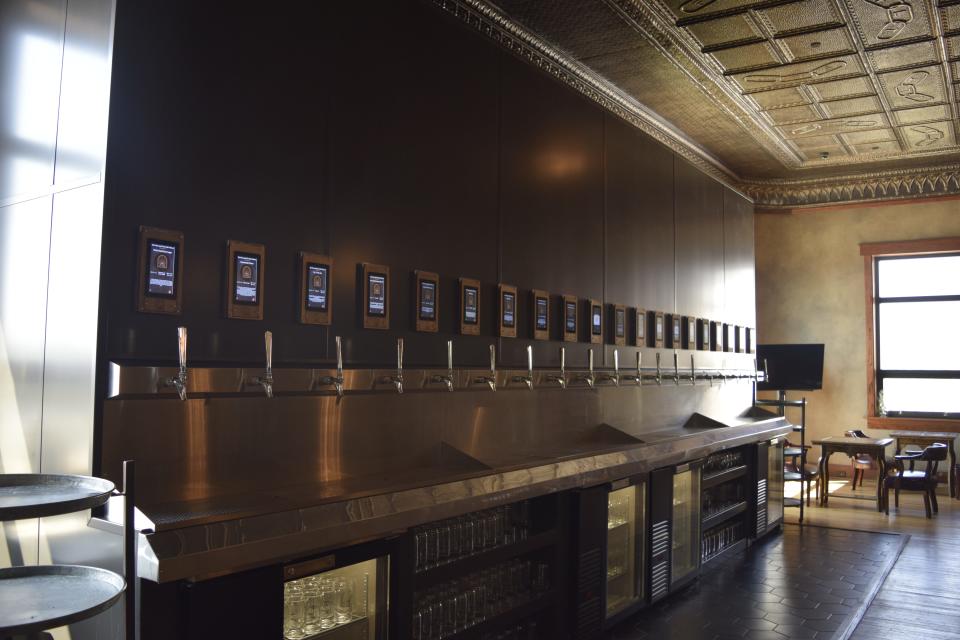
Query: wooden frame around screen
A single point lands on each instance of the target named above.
(312, 316)
(504, 330)
(466, 328)
(539, 334)
(369, 321)
(151, 304)
(237, 310)
(419, 324)
(869, 251)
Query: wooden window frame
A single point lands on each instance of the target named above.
(870, 251)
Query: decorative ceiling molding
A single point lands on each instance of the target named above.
(884, 185)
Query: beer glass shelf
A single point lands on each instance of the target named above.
(719, 477)
(713, 518)
(40, 597)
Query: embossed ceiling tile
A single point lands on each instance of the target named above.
(886, 22)
(852, 106)
(851, 87)
(881, 147)
(722, 30)
(953, 47)
(779, 98)
(950, 16)
(908, 55)
(800, 16)
(817, 44)
(836, 126)
(864, 138)
(914, 87)
(926, 137)
(751, 56)
(693, 9)
(792, 75)
(923, 114)
(790, 115)
(811, 148)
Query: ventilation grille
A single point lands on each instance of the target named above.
(659, 579)
(590, 590)
(661, 538)
(761, 507)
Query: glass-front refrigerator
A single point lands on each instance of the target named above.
(342, 596)
(625, 527)
(769, 492)
(674, 527)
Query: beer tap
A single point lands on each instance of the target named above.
(676, 368)
(447, 379)
(490, 380)
(561, 379)
(397, 379)
(615, 378)
(179, 381)
(527, 379)
(266, 380)
(659, 374)
(693, 371)
(638, 378)
(335, 381)
(588, 377)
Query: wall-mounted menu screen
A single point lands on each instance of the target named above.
(703, 334)
(658, 329)
(676, 331)
(469, 306)
(375, 303)
(508, 311)
(740, 339)
(640, 328)
(541, 314)
(315, 302)
(728, 338)
(716, 335)
(595, 311)
(246, 266)
(160, 265)
(750, 340)
(690, 338)
(426, 292)
(619, 325)
(569, 309)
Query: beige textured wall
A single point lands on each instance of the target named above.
(810, 289)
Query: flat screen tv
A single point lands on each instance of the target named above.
(791, 367)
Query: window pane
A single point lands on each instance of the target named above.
(919, 335)
(930, 276)
(903, 394)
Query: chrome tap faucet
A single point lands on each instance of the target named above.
(615, 377)
(588, 377)
(266, 380)
(527, 379)
(676, 368)
(397, 379)
(335, 381)
(490, 380)
(179, 381)
(659, 374)
(638, 378)
(562, 378)
(447, 379)
(693, 371)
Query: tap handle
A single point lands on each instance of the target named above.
(590, 359)
(182, 348)
(766, 374)
(338, 342)
(450, 357)
(399, 355)
(563, 360)
(493, 361)
(639, 358)
(616, 362)
(268, 346)
(530, 362)
(693, 370)
(658, 362)
(676, 361)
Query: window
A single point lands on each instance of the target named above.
(913, 355)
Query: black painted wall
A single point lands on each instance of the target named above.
(387, 132)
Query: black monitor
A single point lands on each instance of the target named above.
(791, 367)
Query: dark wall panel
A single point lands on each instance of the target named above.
(699, 228)
(551, 197)
(738, 256)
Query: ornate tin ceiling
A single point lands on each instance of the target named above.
(795, 102)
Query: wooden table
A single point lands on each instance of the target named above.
(874, 447)
(925, 439)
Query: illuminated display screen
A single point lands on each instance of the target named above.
(318, 276)
(246, 272)
(509, 309)
(541, 314)
(470, 303)
(692, 331)
(377, 294)
(659, 333)
(641, 327)
(428, 300)
(676, 330)
(619, 320)
(570, 316)
(596, 320)
(161, 269)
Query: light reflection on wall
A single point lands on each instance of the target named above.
(560, 164)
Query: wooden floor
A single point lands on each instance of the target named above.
(921, 596)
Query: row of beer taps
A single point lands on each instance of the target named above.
(589, 378)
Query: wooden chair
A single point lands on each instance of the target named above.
(914, 480)
(860, 462)
(791, 467)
